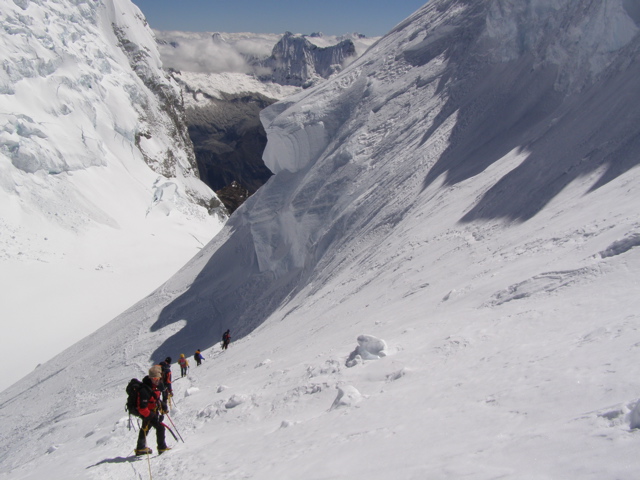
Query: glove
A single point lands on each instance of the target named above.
(160, 418)
(165, 407)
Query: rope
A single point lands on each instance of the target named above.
(149, 463)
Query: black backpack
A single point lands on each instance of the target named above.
(133, 390)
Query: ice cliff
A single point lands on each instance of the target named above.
(82, 86)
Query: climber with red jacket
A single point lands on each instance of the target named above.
(149, 406)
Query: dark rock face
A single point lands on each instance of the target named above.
(232, 196)
(229, 139)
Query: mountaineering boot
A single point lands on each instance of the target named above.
(144, 451)
(162, 450)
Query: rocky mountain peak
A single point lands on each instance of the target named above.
(297, 61)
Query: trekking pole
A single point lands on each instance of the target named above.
(130, 423)
(174, 426)
(170, 431)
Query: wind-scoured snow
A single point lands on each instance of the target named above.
(461, 215)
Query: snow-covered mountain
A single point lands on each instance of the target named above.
(99, 194)
(439, 281)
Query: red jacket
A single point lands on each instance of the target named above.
(148, 398)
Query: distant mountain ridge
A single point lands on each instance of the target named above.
(296, 61)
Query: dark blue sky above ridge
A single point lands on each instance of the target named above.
(331, 17)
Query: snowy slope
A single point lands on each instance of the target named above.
(99, 200)
(464, 196)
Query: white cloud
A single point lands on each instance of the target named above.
(203, 56)
(213, 52)
(254, 46)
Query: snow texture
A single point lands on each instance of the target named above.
(450, 192)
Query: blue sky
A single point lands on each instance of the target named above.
(332, 17)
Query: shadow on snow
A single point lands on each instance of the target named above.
(519, 105)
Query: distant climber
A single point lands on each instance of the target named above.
(167, 393)
(184, 365)
(150, 409)
(226, 339)
(198, 357)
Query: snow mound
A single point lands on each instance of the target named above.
(236, 400)
(621, 246)
(191, 391)
(287, 424)
(634, 416)
(369, 348)
(348, 396)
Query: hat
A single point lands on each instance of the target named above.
(168, 360)
(155, 371)
(182, 355)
